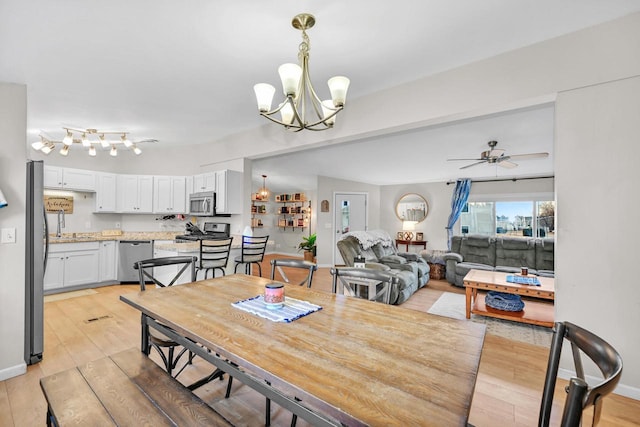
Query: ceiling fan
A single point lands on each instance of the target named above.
(496, 156)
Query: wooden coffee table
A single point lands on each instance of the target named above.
(538, 310)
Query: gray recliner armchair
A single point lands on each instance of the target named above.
(379, 252)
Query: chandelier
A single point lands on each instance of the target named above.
(89, 139)
(300, 97)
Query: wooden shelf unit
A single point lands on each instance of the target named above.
(259, 208)
(293, 211)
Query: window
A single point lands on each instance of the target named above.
(529, 218)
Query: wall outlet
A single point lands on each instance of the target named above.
(87, 225)
(8, 235)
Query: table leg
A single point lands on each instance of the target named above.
(468, 302)
(144, 345)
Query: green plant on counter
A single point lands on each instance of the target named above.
(308, 243)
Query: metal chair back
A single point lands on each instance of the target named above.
(150, 269)
(286, 263)
(214, 255)
(252, 252)
(350, 280)
(580, 393)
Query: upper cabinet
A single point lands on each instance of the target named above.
(228, 192)
(204, 182)
(135, 193)
(69, 179)
(105, 192)
(169, 194)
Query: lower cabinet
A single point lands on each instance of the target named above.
(72, 264)
(108, 261)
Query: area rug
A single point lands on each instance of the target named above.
(453, 305)
(67, 295)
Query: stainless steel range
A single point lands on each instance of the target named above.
(212, 231)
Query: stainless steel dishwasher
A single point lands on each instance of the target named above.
(132, 251)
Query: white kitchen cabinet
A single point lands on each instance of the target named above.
(69, 179)
(135, 193)
(169, 194)
(229, 192)
(105, 192)
(108, 261)
(54, 275)
(204, 182)
(72, 264)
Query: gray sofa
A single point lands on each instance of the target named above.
(380, 252)
(506, 254)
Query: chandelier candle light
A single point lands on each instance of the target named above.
(300, 97)
(47, 145)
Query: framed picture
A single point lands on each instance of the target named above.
(400, 235)
(420, 236)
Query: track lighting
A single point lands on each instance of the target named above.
(68, 139)
(47, 145)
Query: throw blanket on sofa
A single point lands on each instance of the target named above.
(368, 239)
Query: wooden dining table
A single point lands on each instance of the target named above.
(354, 362)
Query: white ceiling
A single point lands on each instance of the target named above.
(182, 72)
(422, 155)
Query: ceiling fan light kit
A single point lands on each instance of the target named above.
(47, 145)
(496, 156)
(302, 108)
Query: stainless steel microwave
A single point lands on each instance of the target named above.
(202, 204)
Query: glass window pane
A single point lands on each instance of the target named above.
(345, 216)
(545, 217)
(514, 218)
(477, 218)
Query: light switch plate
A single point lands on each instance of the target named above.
(8, 235)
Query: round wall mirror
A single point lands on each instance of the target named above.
(412, 207)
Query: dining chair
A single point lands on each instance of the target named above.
(580, 394)
(214, 255)
(285, 264)
(252, 252)
(165, 272)
(351, 281)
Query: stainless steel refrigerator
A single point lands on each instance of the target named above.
(37, 245)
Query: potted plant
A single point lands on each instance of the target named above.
(308, 244)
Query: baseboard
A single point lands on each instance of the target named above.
(13, 371)
(621, 389)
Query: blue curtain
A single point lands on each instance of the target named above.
(458, 200)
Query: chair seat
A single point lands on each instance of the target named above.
(212, 264)
(248, 258)
(160, 339)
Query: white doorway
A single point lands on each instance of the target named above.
(350, 214)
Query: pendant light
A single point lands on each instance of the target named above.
(263, 192)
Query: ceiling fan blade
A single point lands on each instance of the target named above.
(466, 160)
(496, 152)
(474, 164)
(529, 156)
(507, 164)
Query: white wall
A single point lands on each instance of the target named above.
(13, 128)
(597, 175)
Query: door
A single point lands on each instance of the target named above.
(350, 214)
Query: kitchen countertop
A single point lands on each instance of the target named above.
(193, 246)
(126, 235)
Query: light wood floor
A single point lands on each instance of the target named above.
(508, 387)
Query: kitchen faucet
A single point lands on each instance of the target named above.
(60, 223)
